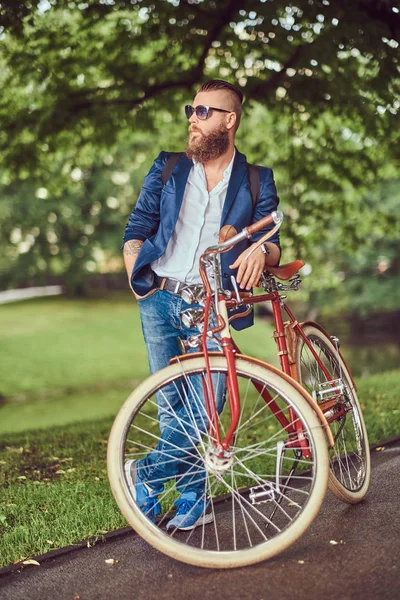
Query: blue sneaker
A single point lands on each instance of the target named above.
(191, 512)
(144, 496)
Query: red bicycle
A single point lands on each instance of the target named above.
(257, 436)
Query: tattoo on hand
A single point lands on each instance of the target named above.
(132, 248)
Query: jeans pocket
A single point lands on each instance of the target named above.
(149, 295)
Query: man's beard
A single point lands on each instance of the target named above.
(209, 146)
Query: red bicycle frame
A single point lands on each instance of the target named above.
(292, 425)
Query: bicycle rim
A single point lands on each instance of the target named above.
(255, 510)
(349, 472)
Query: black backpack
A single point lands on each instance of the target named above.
(254, 175)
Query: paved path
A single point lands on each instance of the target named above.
(364, 564)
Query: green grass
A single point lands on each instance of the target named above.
(64, 361)
(62, 345)
(54, 489)
(379, 398)
(55, 486)
(66, 367)
(56, 410)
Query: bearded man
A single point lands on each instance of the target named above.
(168, 230)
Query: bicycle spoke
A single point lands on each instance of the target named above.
(228, 495)
(261, 482)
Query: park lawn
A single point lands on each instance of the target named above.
(64, 361)
(55, 487)
(62, 345)
(65, 344)
(66, 368)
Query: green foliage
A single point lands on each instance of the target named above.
(72, 63)
(92, 91)
(361, 275)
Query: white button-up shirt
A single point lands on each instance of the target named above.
(197, 227)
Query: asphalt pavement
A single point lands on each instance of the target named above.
(349, 552)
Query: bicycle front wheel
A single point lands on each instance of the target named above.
(259, 496)
(350, 466)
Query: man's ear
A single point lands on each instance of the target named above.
(231, 120)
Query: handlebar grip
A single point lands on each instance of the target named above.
(275, 217)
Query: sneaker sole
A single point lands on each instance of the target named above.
(204, 520)
(132, 487)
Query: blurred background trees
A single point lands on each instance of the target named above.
(93, 90)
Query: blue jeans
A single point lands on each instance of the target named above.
(182, 414)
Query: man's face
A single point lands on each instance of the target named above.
(208, 139)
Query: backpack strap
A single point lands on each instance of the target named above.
(254, 176)
(170, 165)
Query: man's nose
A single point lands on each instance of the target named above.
(193, 118)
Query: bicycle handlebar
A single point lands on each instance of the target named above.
(275, 217)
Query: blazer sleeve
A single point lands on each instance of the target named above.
(267, 202)
(145, 218)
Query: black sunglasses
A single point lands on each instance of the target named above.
(202, 112)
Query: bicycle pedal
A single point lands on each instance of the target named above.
(261, 494)
(330, 390)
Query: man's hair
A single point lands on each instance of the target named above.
(234, 92)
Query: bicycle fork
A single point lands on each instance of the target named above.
(232, 380)
(296, 435)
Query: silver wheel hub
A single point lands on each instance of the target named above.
(218, 462)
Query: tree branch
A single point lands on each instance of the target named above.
(197, 8)
(187, 82)
(262, 89)
(380, 11)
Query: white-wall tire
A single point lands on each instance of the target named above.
(158, 537)
(354, 433)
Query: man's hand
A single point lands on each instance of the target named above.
(250, 269)
(131, 251)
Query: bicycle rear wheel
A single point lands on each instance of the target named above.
(261, 494)
(350, 467)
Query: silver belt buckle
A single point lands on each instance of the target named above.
(176, 290)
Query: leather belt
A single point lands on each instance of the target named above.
(173, 285)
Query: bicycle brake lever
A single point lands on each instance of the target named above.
(235, 287)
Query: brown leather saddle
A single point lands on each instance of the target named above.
(287, 271)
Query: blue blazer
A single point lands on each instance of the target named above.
(156, 212)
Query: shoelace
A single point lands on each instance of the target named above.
(185, 505)
(151, 508)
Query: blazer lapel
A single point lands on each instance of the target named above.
(178, 181)
(239, 170)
